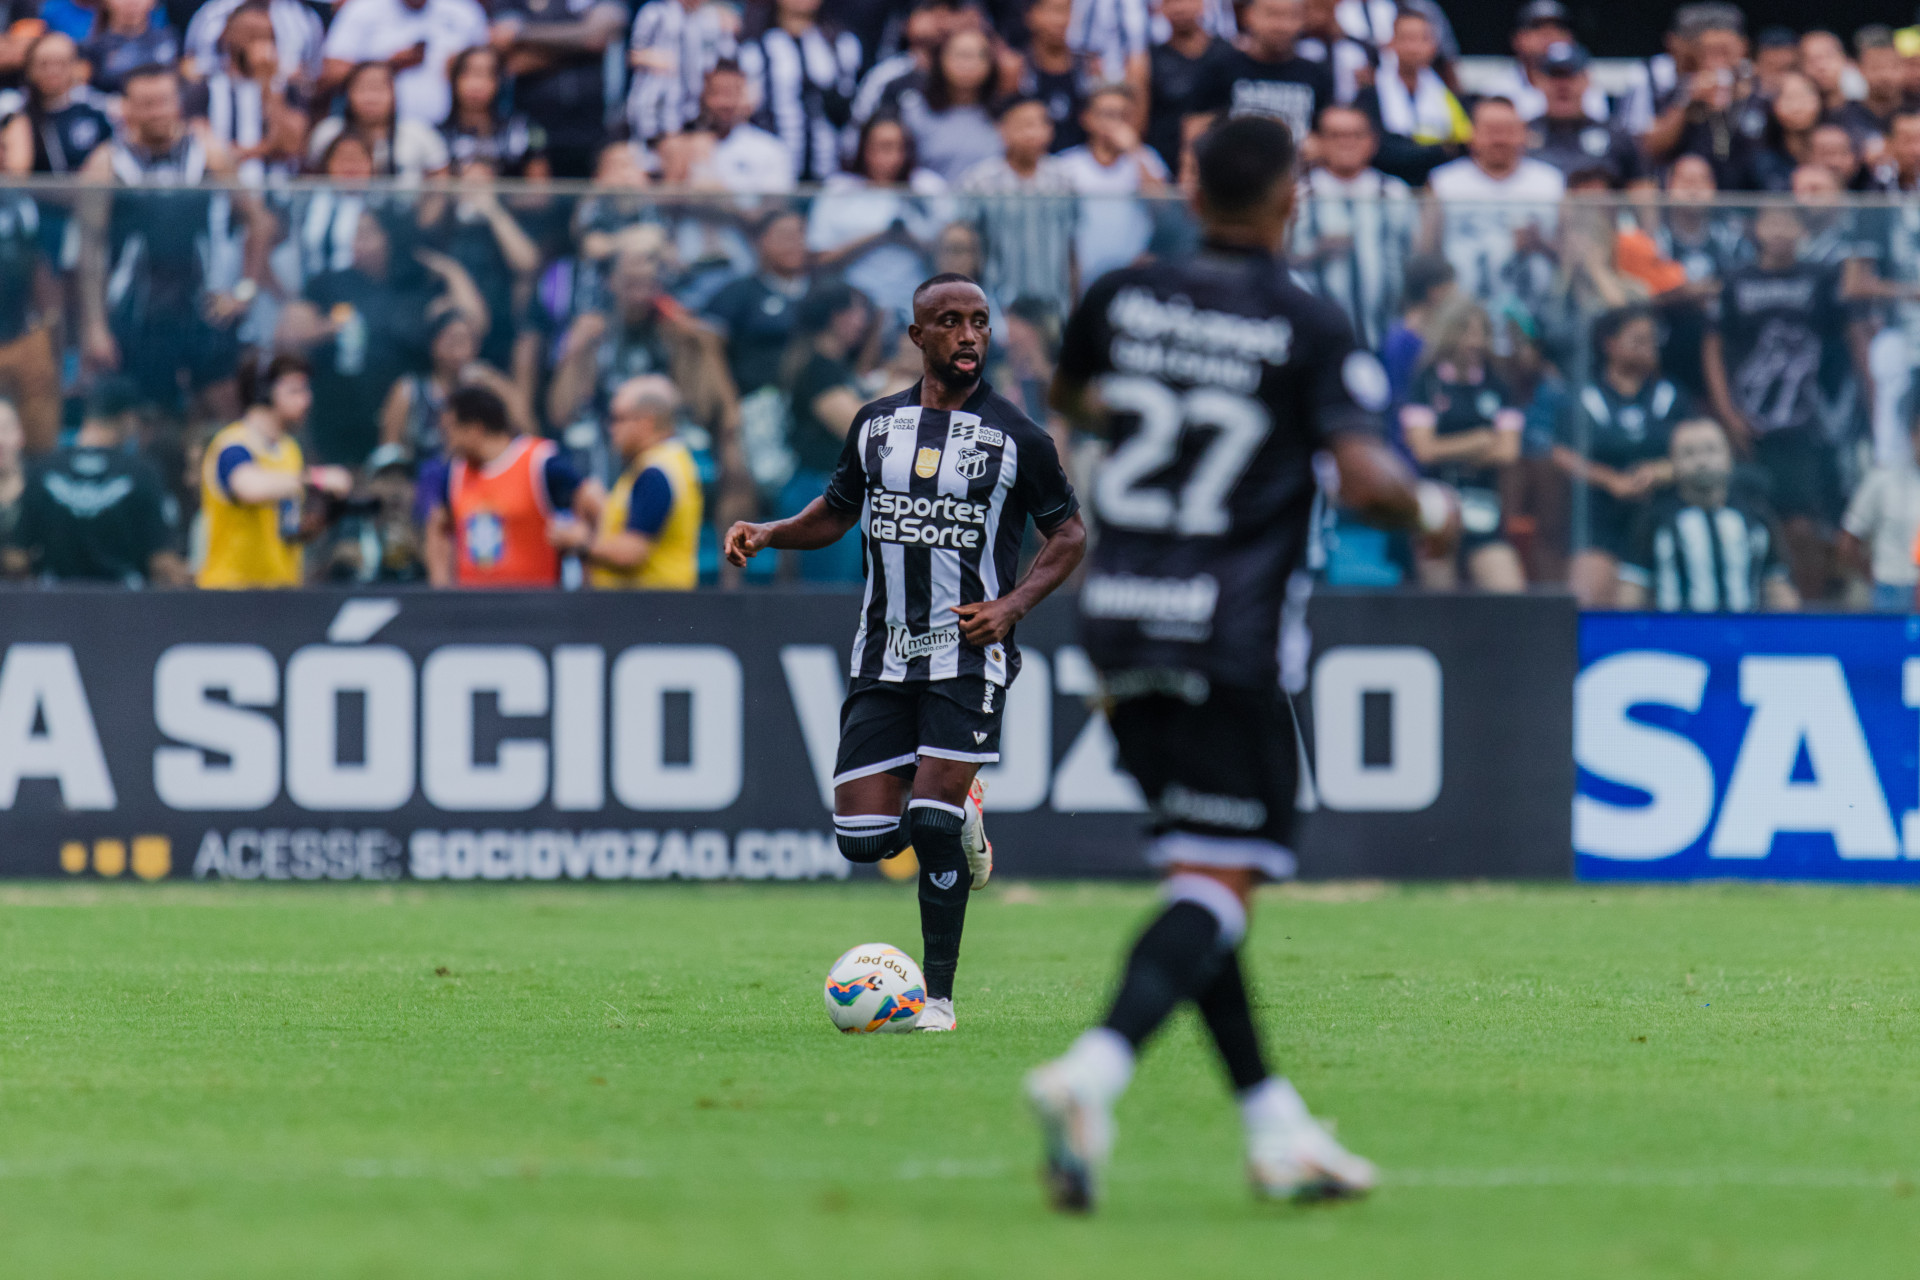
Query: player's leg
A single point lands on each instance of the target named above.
(959, 730)
(879, 729)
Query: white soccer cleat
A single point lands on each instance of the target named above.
(936, 1016)
(1076, 1122)
(1298, 1159)
(973, 835)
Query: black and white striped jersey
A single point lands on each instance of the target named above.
(943, 498)
(1221, 378)
(1691, 560)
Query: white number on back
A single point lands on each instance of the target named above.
(1238, 425)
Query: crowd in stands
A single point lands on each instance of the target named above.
(545, 293)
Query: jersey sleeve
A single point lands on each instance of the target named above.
(1087, 339)
(562, 481)
(847, 486)
(231, 459)
(1348, 390)
(1041, 484)
(650, 504)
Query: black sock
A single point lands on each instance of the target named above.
(944, 886)
(1173, 960)
(869, 837)
(1229, 1016)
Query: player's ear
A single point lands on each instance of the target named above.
(913, 334)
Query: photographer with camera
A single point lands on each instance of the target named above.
(254, 483)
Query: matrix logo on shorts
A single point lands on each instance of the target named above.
(926, 522)
(904, 644)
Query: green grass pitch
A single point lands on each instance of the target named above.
(414, 1082)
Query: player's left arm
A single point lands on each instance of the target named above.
(988, 622)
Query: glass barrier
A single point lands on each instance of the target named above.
(1682, 405)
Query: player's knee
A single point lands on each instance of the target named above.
(1212, 895)
(934, 828)
(868, 838)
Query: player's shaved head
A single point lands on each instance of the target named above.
(1246, 180)
(952, 328)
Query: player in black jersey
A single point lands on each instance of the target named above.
(941, 479)
(1216, 381)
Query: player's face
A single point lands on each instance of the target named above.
(951, 328)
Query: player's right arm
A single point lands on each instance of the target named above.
(819, 525)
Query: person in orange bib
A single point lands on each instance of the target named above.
(500, 492)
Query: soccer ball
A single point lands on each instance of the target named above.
(875, 987)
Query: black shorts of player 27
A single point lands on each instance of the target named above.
(886, 725)
(1221, 775)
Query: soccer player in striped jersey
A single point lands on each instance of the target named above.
(941, 479)
(1217, 381)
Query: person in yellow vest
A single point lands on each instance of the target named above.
(254, 482)
(648, 534)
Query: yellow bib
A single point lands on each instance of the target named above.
(674, 562)
(250, 544)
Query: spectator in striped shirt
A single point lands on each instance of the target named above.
(1021, 204)
(674, 44)
(1117, 33)
(803, 76)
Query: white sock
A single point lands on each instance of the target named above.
(1106, 1059)
(1272, 1101)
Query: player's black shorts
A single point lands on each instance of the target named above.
(1221, 775)
(886, 725)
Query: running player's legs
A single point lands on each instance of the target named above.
(959, 730)
(879, 732)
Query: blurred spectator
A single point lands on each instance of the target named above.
(495, 506)
(61, 124)
(147, 308)
(645, 331)
(96, 512)
(254, 481)
(1178, 71)
(1108, 172)
(401, 146)
(1681, 252)
(29, 363)
(1898, 172)
(1021, 205)
(926, 27)
(1266, 76)
(127, 34)
(367, 324)
(873, 223)
(1540, 26)
(952, 130)
(1764, 359)
(673, 45)
(1823, 60)
(1495, 211)
(1115, 33)
(1427, 285)
(1410, 101)
(416, 39)
(472, 226)
(1056, 73)
(1776, 51)
(479, 127)
(1870, 118)
(755, 317)
(555, 52)
(1714, 112)
(1792, 116)
(410, 416)
(1879, 531)
(1462, 428)
(297, 35)
(13, 489)
(1832, 232)
(250, 105)
(1354, 226)
(803, 77)
(824, 395)
(1703, 549)
(1831, 147)
(1888, 273)
(648, 534)
(745, 158)
(1323, 40)
(1565, 135)
(1612, 439)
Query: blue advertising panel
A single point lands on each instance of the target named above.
(1757, 747)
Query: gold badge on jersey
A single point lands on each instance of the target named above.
(926, 462)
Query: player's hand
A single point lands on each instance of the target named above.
(744, 541)
(986, 623)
